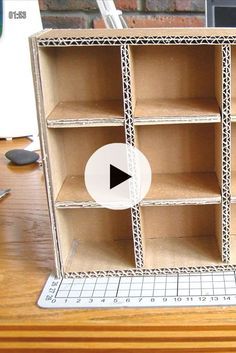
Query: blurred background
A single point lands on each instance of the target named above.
(137, 13)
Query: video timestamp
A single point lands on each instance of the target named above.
(17, 15)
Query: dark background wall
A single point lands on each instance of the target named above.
(137, 13)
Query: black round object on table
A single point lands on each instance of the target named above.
(22, 157)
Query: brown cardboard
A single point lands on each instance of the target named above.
(100, 86)
(89, 77)
(97, 239)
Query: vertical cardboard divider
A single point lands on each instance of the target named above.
(130, 139)
(226, 150)
(44, 148)
(219, 143)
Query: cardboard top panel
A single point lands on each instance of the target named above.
(135, 32)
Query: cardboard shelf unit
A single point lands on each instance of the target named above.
(166, 92)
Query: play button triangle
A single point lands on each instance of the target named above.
(117, 176)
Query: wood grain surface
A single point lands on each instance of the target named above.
(26, 260)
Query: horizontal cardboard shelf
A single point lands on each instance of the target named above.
(180, 188)
(187, 188)
(78, 114)
(73, 193)
(147, 112)
(101, 256)
(172, 111)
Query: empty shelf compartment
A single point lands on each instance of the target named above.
(192, 188)
(185, 162)
(176, 82)
(81, 83)
(181, 236)
(70, 149)
(95, 239)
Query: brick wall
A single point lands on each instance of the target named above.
(137, 13)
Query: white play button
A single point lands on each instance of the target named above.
(117, 176)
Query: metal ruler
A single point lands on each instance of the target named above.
(172, 290)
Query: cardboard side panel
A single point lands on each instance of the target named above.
(218, 75)
(219, 141)
(49, 78)
(44, 150)
(58, 159)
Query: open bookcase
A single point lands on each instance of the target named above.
(167, 92)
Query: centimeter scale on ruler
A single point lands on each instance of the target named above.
(197, 289)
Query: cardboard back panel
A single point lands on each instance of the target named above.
(233, 80)
(170, 71)
(178, 148)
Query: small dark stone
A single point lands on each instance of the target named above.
(22, 157)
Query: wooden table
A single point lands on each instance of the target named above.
(26, 259)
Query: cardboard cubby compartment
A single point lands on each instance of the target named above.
(179, 236)
(80, 84)
(167, 92)
(70, 149)
(184, 169)
(95, 239)
(176, 82)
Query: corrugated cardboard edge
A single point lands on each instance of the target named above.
(70, 123)
(134, 40)
(151, 272)
(226, 151)
(63, 123)
(178, 120)
(130, 139)
(44, 150)
(158, 202)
